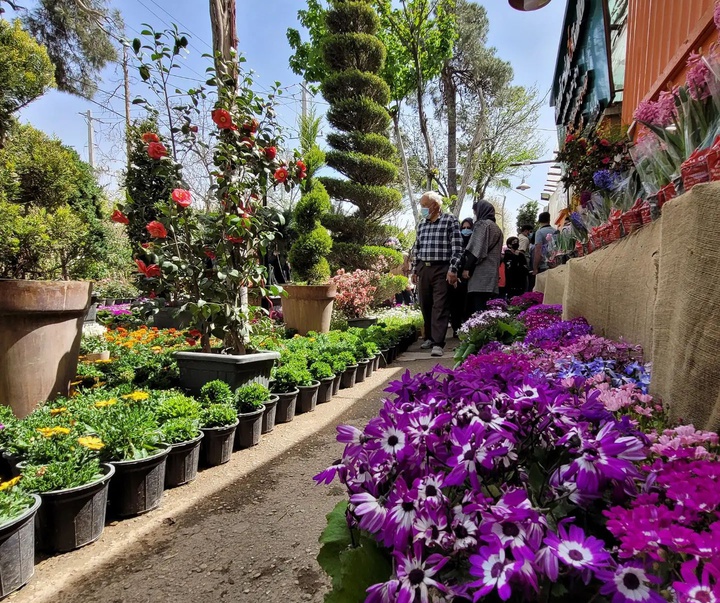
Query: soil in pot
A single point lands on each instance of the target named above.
(348, 377)
(307, 398)
(69, 519)
(182, 462)
(268, 419)
(285, 411)
(336, 384)
(361, 371)
(138, 485)
(325, 392)
(249, 429)
(17, 550)
(217, 445)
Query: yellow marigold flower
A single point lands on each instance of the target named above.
(91, 443)
(49, 432)
(104, 403)
(74, 383)
(104, 361)
(57, 411)
(9, 484)
(137, 396)
(156, 348)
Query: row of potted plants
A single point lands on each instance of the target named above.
(113, 445)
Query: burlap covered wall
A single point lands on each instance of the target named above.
(540, 282)
(555, 283)
(615, 287)
(686, 342)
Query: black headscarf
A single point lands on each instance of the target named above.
(484, 211)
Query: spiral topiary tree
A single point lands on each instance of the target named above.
(358, 96)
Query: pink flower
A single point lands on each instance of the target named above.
(156, 230)
(182, 197)
(647, 113)
(698, 77)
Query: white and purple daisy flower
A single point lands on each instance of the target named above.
(578, 551)
(416, 575)
(629, 583)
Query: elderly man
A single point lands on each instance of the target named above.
(435, 258)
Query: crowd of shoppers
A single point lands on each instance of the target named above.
(459, 266)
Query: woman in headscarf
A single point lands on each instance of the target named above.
(458, 295)
(482, 257)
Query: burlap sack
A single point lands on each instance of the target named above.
(686, 342)
(615, 288)
(540, 281)
(555, 283)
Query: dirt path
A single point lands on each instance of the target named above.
(244, 532)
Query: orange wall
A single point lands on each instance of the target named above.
(661, 35)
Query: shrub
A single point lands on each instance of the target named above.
(218, 415)
(216, 392)
(321, 370)
(350, 257)
(250, 398)
(14, 500)
(355, 291)
(179, 430)
(388, 286)
(130, 431)
(177, 407)
(60, 475)
(308, 256)
(291, 375)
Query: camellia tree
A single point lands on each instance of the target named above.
(205, 262)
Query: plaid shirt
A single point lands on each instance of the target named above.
(438, 241)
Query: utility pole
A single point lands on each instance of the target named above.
(304, 101)
(91, 139)
(126, 77)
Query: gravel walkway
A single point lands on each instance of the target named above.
(244, 532)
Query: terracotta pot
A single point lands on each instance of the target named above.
(40, 328)
(309, 307)
(98, 356)
(198, 368)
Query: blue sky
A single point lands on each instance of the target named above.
(528, 40)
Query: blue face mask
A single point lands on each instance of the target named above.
(424, 212)
(466, 232)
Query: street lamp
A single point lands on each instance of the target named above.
(528, 5)
(523, 186)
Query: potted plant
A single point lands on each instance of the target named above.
(309, 304)
(285, 385)
(250, 404)
(93, 345)
(17, 535)
(355, 296)
(179, 419)
(207, 261)
(61, 465)
(322, 372)
(351, 368)
(133, 445)
(218, 421)
(307, 398)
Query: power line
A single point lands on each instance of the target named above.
(182, 25)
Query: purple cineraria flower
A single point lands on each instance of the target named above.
(388, 438)
(578, 551)
(692, 589)
(431, 528)
(464, 530)
(429, 490)
(629, 583)
(494, 570)
(416, 575)
(470, 453)
(328, 475)
(371, 510)
(402, 510)
(352, 437)
(385, 592)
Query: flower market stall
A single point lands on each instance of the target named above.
(540, 470)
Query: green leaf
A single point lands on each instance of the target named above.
(361, 567)
(136, 45)
(144, 72)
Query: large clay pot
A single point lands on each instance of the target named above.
(40, 328)
(309, 307)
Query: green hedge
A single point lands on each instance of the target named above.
(367, 144)
(354, 51)
(354, 84)
(351, 17)
(350, 256)
(363, 169)
(371, 200)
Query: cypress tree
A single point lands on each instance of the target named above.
(358, 97)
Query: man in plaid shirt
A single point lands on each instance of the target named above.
(435, 258)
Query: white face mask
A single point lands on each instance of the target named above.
(424, 212)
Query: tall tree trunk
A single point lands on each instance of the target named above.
(423, 119)
(450, 94)
(406, 168)
(469, 168)
(224, 39)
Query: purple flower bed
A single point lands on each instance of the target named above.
(540, 471)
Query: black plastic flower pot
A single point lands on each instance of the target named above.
(217, 445)
(249, 429)
(71, 518)
(325, 392)
(376, 362)
(182, 462)
(384, 358)
(198, 368)
(285, 411)
(348, 377)
(336, 384)
(10, 464)
(370, 367)
(361, 323)
(361, 371)
(17, 550)
(307, 398)
(138, 485)
(268, 419)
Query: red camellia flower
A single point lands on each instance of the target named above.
(157, 150)
(149, 137)
(194, 333)
(210, 254)
(153, 270)
(223, 119)
(301, 166)
(153, 295)
(569, 138)
(302, 175)
(281, 174)
(251, 126)
(182, 197)
(233, 239)
(156, 230)
(119, 217)
(270, 153)
(194, 129)
(190, 341)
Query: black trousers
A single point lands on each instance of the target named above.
(458, 305)
(477, 302)
(434, 293)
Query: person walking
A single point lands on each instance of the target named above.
(435, 258)
(516, 269)
(524, 239)
(458, 295)
(539, 264)
(481, 259)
